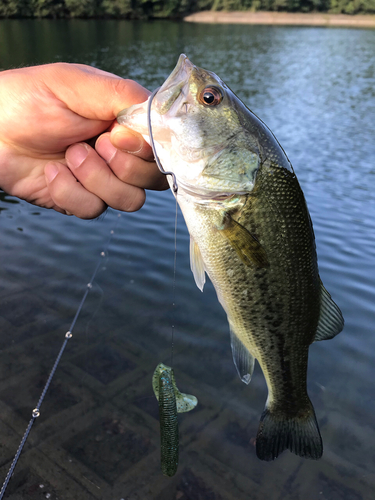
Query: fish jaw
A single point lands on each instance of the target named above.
(173, 85)
(135, 117)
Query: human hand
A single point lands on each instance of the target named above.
(47, 112)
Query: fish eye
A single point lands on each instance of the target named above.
(211, 96)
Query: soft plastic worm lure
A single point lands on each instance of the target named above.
(171, 402)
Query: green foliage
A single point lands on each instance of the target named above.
(8, 8)
(117, 8)
(352, 6)
(137, 9)
(81, 8)
(46, 8)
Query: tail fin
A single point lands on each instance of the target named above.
(299, 434)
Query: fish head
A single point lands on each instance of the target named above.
(202, 132)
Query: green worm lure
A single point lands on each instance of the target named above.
(171, 402)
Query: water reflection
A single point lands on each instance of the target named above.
(314, 87)
(4, 198)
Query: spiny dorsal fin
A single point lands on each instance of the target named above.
(243, 360)
(196, 264)
(248, 248)
(331, 321)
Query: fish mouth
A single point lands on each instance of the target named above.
(173, 85)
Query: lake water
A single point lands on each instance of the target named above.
(98, 435)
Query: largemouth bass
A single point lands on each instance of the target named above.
(252, 234)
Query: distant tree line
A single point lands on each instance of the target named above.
(146, 9)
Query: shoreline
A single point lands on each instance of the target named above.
(282, 19)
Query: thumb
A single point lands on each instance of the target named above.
(90, 92)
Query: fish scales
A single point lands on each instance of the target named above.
(274, 311)
(252, 234)
(260, 298)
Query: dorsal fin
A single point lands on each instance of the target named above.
(331, 321)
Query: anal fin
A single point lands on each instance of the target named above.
(243, 360)
(331, 321)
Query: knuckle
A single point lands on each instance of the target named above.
(127, 168)
(60, 193)
(92, 212)
(127, 92)
(134, 201)
(121, 86)
(88, 208)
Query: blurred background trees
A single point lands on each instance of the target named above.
(143, 9)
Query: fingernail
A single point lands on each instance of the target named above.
(76, 155)
(130, 143)
(51, 171)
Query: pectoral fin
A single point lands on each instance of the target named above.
(331, 321)
(248, 248)
(243, 360)
(196, 264)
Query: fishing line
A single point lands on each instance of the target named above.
(36, 411)
(175, 189)
(158, 163)
(174, 283)
(171, 400)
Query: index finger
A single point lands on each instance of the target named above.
(93, 94)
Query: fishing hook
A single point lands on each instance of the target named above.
(158, 163)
